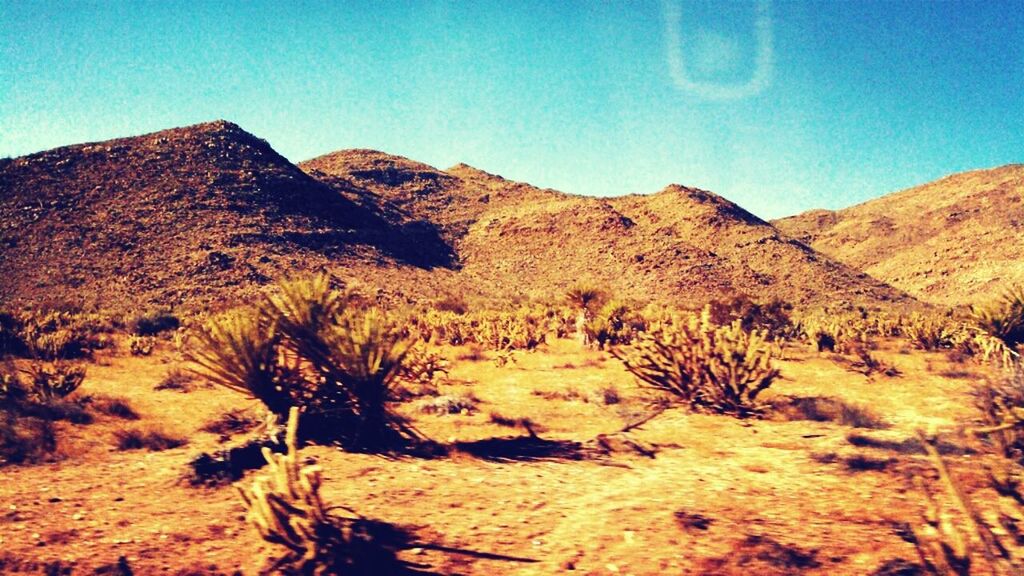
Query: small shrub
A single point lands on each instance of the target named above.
(709, 368)
(826, 409)
(25, 440)
(149, 438)
(141, 345)
(153, 323)
(57, 380)
(448, 404)
(232, 422)
(772, 317)
(1004, 318)
(175, 379)
(111, 406)
(610, 395)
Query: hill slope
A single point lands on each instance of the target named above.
(182, 217)
(513, 239)
(205, 215)
(953, 241)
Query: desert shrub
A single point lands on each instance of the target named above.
(930, 332)
(1004, 318)
(585, 297)
(150, 438)
(153, 323)
(25, 440)
(111, 406)
(303, 347)
(232, 422)
(709, 368)
(141, 345)
(422, 366)
(613, 324)
(1001, 404)
(448, 404)
(56, 380)
(826, 409)
(452, 303)
(285, 507)
(772, 317)
(869, 364)
(610, 395)
(175, 379)
(54, 334)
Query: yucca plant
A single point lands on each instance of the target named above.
(712, 368)
(240, 351)
(1004, 318)
(304, 348)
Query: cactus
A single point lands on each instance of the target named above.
(710, 368)
(285, 507)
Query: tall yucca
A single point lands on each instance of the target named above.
(1004, 318)
(304, 348)
(584, 297)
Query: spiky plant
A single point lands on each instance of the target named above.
(712, 368)
(304, 348)
(285, 507)
(239, 350)
(1004, 318)
(54, 381)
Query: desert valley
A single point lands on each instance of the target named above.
(454, 373)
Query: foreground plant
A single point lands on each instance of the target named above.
(285, 506)
(1004, 318)
(305, 347)
(712, 368)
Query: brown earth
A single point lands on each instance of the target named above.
(702, 494)
(204, 216)
(954, 241)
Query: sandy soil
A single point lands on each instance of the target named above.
(718, 496)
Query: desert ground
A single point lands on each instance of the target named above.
(683, 493)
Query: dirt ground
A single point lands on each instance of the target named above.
(682, 494)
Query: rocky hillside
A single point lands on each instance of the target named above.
(204, 216)
(183, 218)
(954, 241)
(681, 244)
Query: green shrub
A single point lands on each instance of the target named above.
(709, 368)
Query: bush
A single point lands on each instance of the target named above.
(149, 438)
(772, 317)
(712, 368)
(153, 323)
(1004, 318)
(304, 348)
(24, 440)
(51, 335)
(53, 381)
(141, 345)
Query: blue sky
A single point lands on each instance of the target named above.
(859, 99)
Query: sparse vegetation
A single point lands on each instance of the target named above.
(141, 345)
(709, 368)
(148, 437)
(153, 323)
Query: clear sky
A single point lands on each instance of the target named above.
(779, 106)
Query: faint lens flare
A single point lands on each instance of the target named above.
(764, 61)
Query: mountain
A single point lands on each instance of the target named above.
(681, 244)
(183, 218)
(955, 241)
(204, 216)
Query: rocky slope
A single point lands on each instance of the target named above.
(954, 241)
